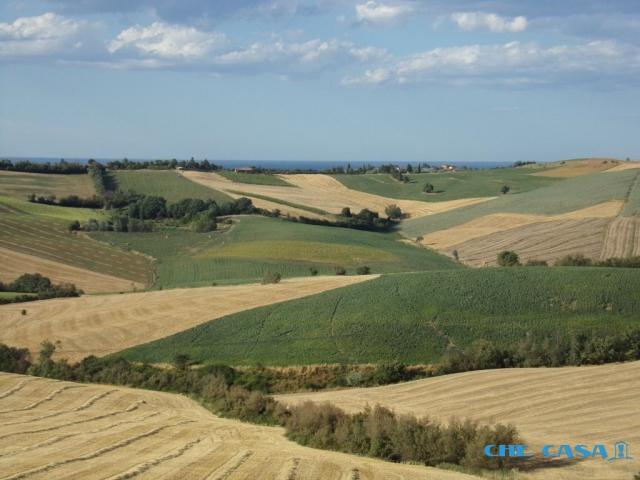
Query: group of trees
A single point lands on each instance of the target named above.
(510, 258)
(61, 167)
(68, 201)
(41, 286)
(191, 164)
(375, 432)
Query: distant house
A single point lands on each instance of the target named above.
(244, 170)
(448, 168)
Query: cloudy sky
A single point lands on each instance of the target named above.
(391, 80)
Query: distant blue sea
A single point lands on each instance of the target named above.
(284, 164)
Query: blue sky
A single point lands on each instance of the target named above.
(357, 80)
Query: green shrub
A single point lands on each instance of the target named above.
(508, 258)
(340, 271)
(577, 260)
(363, 270)
(271, 277)
(536, 263)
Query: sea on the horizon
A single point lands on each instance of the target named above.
(283, 164)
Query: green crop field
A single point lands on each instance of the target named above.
(165, 183)
(257, 245)
(560, 197)
(19, 185)
(255, 178)
(11, 295)
(413, 317)
(50, 211)
(47, 237)
(448, 186)
(632, 205)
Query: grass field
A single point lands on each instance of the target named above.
(257, 245)
(560, 405)
(63, 430)
(254, 178)
(19, 185)
(165, 183)
(50, 211)
(103, 324)
(47, 237)
(560, 197)
(448, 186)
(412, 318)
(632, 204)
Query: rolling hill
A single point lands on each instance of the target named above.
(413, 317)
(63, 430)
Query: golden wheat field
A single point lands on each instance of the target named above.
(622, 238)
(102, 324)
(323, 192)
(575, 168)
(16, 263)
(62, 430)
(585, 405)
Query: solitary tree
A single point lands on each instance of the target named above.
(508, 258)
(428, 188)
(505, 189)
(393, 211)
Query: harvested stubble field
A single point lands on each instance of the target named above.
(622, 238)
(19, 184)
(100, 325)
(577, 405)
(325, 193)
(62, 430)
(165, 183)
(561, 197)
(15, 264)
(48, 238)
(413, 317)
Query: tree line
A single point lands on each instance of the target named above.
(35, 286)
(509, 258)
(68, 201)
(61, 167)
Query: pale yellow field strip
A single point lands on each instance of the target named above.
(500, 222)
(622, 238)
(564, 405)
(624, 166)
(93, 432)
(13, 264)
(326, 193)
(576, 168)
(547, 241)
(103, 324)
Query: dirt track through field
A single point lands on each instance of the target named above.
(13, 264)
(565, 405)
(126, 433)
(103, 324)
(325, 193)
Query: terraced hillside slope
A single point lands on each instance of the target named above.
(320, 192)
(99, 325)
(61, 430)
(165, 183)
(19, 184)
(414, 317)
(576, 405)
(572, 216)
(255, 245)
(39, 236)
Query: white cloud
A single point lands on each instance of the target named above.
(40, 35)
(377, 13)
(167, 41)
(490, 21)
(512, 63)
